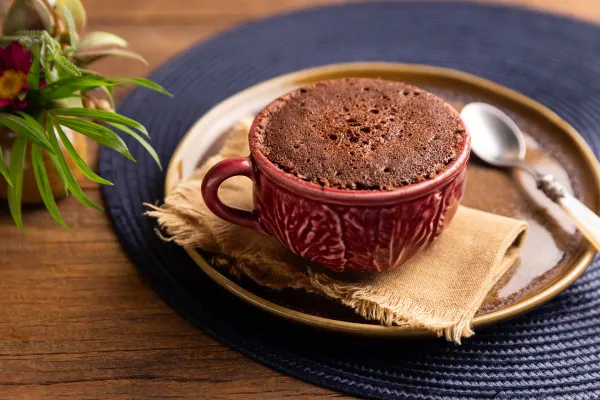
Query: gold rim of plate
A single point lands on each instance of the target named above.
(411, 73)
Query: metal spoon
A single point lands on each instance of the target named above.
(497, 140)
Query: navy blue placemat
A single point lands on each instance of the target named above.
(552, 353)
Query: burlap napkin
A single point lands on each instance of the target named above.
(439, 290)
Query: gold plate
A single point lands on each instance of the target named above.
(554, 255)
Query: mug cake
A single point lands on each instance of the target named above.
(354, 174)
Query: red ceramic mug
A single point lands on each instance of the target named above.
(341, 229)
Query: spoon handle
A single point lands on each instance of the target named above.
(587, 222)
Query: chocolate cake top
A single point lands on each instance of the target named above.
(360, 134)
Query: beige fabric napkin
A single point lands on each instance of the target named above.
(439, 290)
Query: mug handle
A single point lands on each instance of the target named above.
(220, 172)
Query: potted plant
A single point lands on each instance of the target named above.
(50, 103)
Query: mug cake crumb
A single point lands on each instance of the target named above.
(360, 134)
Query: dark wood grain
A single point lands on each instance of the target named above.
(76, 319)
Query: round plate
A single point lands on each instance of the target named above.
(553, 144)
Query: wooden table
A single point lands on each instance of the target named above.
(76, 318)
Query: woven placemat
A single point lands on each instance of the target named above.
(552, 353)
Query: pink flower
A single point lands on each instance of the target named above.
(15, 63)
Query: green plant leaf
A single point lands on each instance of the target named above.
(41, 178)
(65, 65)
(80, 82)
(36, 126)
(64, 93)
(58, 94)
(27, 128)
(46, 14)
(68, 87)
(147, 83)
(50, 72)
(4, 169)
(90, 72)
(86, 57)
(87, 171)
(27, 36)
(61, 163)
(61, 174)
(53, 51)
(76, 9)
(140, 139)
(17, 159)
(33, 79)
(68, 102)
(97, 133)
(101, 115)
(102, 39)
(109, 93)
(70, 25)
(33, 123)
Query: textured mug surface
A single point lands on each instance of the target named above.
(354, 237)
(342, 229)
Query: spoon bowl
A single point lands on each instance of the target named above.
(496, 138)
